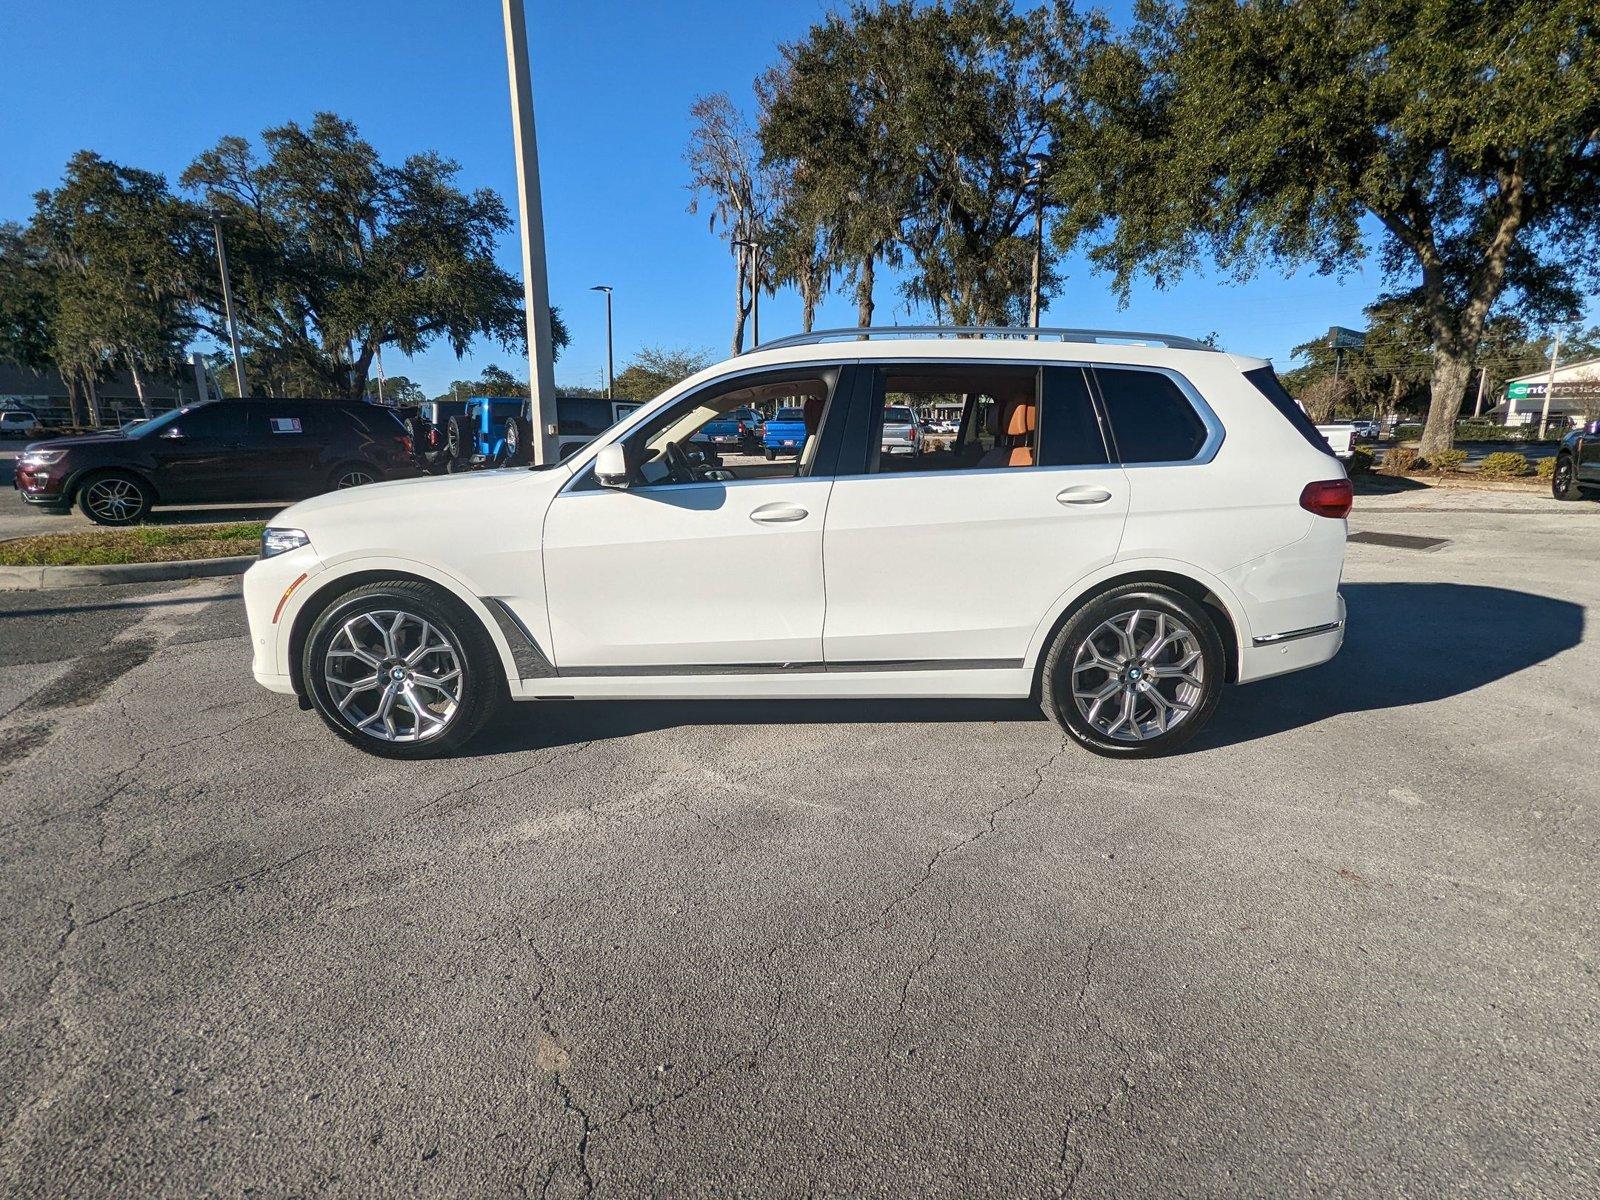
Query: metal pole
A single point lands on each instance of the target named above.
(1483, 378)
(535, 281)
(611, 366)
(1550, 386)
(1038, 245)
(227, 302)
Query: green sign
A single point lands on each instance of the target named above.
(1517, 390)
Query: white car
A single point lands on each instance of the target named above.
(17, 423)
(1123, 529)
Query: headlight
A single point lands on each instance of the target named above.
(281, 541)
(42, 458)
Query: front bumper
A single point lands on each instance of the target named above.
(272, 588)
(41, 485)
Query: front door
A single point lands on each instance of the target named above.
(704, 564)
(952, 553)
(197, 455)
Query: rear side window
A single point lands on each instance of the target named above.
(1069, 434)
(1152, 420)
(1265, 381)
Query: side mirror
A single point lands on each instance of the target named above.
(611, 466)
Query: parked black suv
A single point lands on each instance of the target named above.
(227, 452)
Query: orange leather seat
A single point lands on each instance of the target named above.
(1016, 429)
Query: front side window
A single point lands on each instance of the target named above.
(223, 419)
(1151, 419)
(679, 447)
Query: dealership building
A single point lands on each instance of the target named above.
(1575, 401)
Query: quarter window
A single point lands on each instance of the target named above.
(1152, 420)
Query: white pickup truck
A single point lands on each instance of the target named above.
(1341, 438)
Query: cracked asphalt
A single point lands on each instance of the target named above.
(1345, 946)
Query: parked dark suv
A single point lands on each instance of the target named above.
(232, 451)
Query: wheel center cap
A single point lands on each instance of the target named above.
(1135, 674)
(397, 674)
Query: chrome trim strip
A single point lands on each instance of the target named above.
(1273, 639)
(1057, 333)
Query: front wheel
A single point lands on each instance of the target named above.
(1135, 673)
(114, 498)
(1564, 480)
(401, 669)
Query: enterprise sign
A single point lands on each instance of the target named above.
(1571, 389)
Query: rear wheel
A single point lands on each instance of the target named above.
(1564, 480)
(401, 669)
(1135, 673)
(518, 437)
(770, 453)
(353, 475)
(114, 498)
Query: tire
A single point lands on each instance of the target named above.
(348, 643)
(518, 438)
(457, 439)
(114, 498)
(1137, 715)
(1564, 480)
(770, 453)
(351, 475)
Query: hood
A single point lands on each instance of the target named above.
(402, 503)
(69, 443)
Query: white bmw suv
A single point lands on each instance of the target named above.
(1122, 524)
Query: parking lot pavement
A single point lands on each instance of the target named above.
(1344, 946)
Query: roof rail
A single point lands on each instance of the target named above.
(1167, 340)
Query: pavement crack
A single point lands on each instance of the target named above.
(236, 881)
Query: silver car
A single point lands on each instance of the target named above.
(902, 431)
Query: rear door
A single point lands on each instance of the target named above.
(951, 558)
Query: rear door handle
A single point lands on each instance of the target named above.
(778, 514)
(1083, 495)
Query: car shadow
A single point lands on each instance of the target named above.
(1407, 643)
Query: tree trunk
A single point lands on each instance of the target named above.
(74, 384)
(138, 385)
(864, 285)
(1448, 387)
(740, 306)
(94, 400)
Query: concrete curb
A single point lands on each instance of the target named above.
(20, 579)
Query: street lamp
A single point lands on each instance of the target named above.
(227, 300)
(611, 367)
(754, 247)
(1038, 161)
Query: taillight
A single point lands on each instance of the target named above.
(1328, 498)
(405, 442)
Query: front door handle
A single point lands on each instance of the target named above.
(1083, 495)
(778, 514)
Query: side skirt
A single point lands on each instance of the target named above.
(973, 682)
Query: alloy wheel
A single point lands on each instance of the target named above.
(394, 676)
(113, 499)
(354, 478)
(1138, 675)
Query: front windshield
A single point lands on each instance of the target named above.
(155, 424)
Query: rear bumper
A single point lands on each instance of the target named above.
(1293, 650)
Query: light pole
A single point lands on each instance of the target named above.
(535, 281)
(227, 301)
(754, 247)
(1038, 161)
(1550, 386)
(611, 365)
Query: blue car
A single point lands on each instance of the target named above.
(785, 433)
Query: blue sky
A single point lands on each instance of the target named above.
(152, 84)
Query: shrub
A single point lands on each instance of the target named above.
(1545, 468)
(1483, 432)
(1504, 465)
(1445, 461)
(1360, 462)
(1402, 460)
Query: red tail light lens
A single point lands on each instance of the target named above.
(405, 442)
(1328, 498)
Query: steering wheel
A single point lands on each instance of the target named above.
(679, 469)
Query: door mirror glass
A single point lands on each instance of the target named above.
(611, 466)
